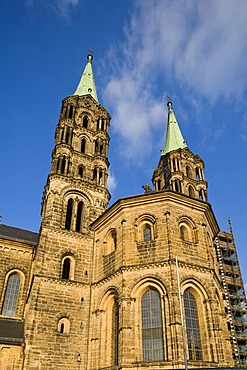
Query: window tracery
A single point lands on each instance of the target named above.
(152, 330)
(192, 326)
(11, 294)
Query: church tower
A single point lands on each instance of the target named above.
(79, 160)
(75, 195)
(179, 169)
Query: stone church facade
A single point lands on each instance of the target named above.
(150, 282)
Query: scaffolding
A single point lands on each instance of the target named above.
(234, 293)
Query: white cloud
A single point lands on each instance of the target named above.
(111, 182)
(62, 8)
(243, 128)
(197, 45)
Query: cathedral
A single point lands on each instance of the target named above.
(150, 282)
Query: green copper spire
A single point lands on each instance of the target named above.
(174, 137)
(87, 84)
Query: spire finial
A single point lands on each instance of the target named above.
(174, 138)
(90, 55)
(169, 102)
(87, 85)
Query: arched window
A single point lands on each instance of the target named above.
(79, 216)
(147, 236)
(100, 177)
(198, 174)
(111, 242)
(66, 268)
(70, 115)
(63, 326)
(109, 327)
(69, 214)
(159, 185)
(67, 135)
(178, 186)
(62, 134)
(98, 124)
(188, 171)
(11, 294)
(201, 194)
(152, 331)
(95, 173)
(185, 233)
(58, 163)
(192, 326)
(191, 192)
(83, 146)
(80, 171)
(63, 164)
(96, 146)
(85, 122)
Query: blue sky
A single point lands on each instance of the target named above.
(193, 51)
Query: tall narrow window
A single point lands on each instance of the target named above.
(178, 186)
(158, 185)
(147, 233)
(174, 164)
(66, 269)
(71, 111)
(95, 174)
(62, 134)
(100, 177)
(83, 146)
(69, 214)
(198, 174)
(192, 326)
(185, 233)
(152, 335)
(80, 171)
(191, 192)
(96, 146)
(98, 123)
(67, 135)
(188, 171)
(85, 122)
(11, 295)
(201, 194)
(63, 164)
(62, 328)
(79, 216)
